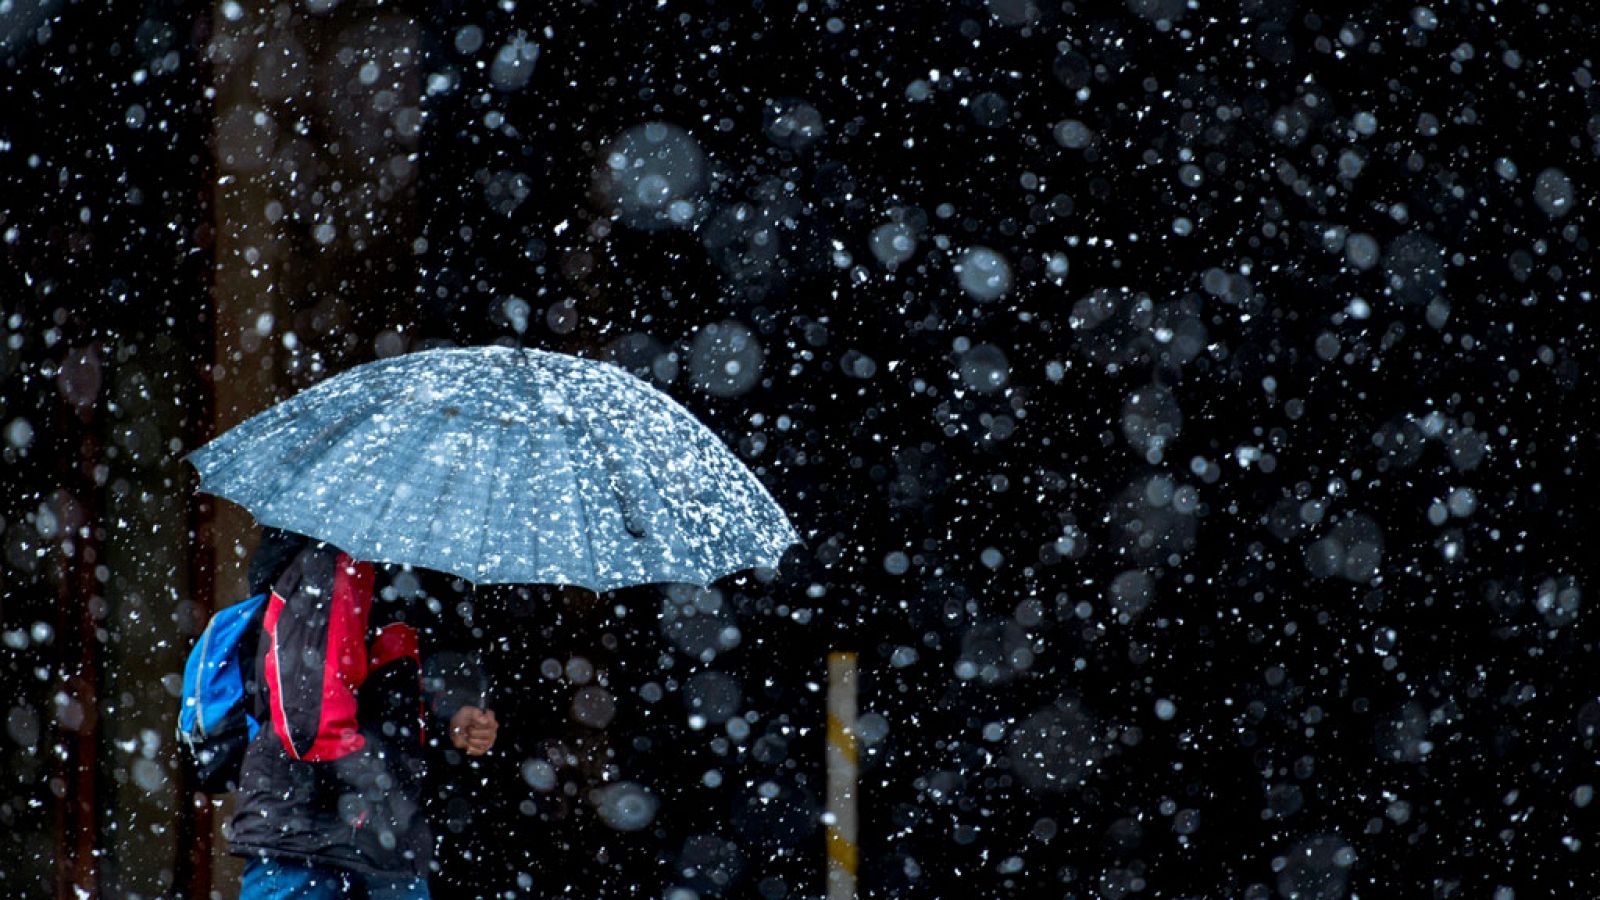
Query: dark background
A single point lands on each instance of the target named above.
(1244, 558)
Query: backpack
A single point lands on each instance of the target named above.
(214, 720)
(319, 653)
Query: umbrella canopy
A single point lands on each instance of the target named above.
(502, 465)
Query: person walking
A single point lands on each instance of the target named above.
(358, 672)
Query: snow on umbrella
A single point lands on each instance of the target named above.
(502, 465)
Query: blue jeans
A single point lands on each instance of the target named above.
(266, 878)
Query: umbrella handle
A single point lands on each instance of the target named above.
(481, 654)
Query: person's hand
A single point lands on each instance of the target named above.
(473, 730)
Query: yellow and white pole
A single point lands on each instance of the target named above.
(843, 759)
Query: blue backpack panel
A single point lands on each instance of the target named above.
(214, 720)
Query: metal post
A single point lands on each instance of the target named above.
(843, 759)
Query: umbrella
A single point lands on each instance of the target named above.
(502, 465)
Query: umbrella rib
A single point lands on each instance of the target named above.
(450, 473)
(650, 472)
(237, 453)
(715, 455)
(701, 442)
(706, 460)
(611, 463)
(291, 411)
(588, 518)
(389, 498)
(526, 368)
(535, 370)
(300, 456)
(712, 457)
(583, 499)
(698, 440)
(488, 505)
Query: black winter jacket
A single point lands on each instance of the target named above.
(352, 683)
